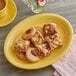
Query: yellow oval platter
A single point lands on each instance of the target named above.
(64, 29)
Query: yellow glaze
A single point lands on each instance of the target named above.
(8, 14)
(64, 29)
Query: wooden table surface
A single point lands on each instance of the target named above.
(66, 8)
